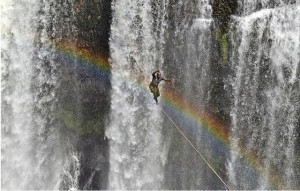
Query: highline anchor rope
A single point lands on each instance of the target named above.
(200, 155)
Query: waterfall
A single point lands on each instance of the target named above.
(35, 155)
(249, 6)
(137, 153)
(25, 162)
(77, 112)
(265, 107)
(189, 51)
(17, 98)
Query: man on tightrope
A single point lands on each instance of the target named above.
(156, 79)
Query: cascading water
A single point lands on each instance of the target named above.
(236, 94)
(198, 56)
(249, 6)
(26, 160)
(265, 63)
(34, 155)
(190, 49)
(17, 98)
(136, 151)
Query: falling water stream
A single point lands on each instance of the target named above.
(265, 110)
(136, 150)
(70, 119)
(30, 140)
(34, 153)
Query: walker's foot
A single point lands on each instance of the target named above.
(156, 100)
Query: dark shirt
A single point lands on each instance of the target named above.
(155, 79)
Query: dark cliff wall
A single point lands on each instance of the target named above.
(93, 92)
(79, 32)
(220, 101)
(93, 24)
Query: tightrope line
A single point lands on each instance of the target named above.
(211, 168)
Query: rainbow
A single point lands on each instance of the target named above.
(205, 119)
(214, 125)
(91, 58)
(220, 132)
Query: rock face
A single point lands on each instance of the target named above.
(80, 31)
(221, 12)
(92, 92)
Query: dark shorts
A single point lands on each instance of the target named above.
(154, 89)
